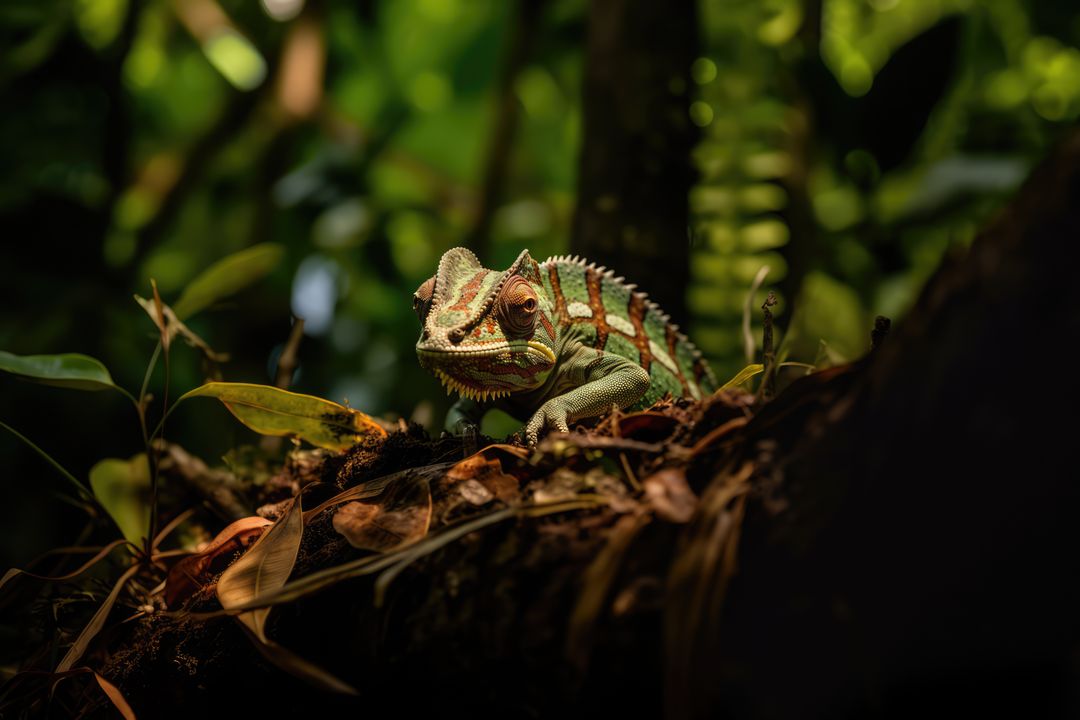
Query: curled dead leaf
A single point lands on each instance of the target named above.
(475, 492)
(400, 519)
(648, 426)
(670, 496)
(192, 573)
(486, 470)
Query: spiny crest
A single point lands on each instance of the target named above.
(524, 266)
(455, 265)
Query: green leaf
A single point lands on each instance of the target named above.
(70, 370)
(123, 489)
(272, 411)
(743, 375)
(227, 276)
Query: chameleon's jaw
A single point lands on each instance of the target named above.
(464, 390)
(491, 372)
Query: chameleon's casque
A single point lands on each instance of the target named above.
(551, 342)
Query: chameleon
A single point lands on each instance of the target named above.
(549, 343)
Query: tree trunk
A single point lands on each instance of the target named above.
(635, 173)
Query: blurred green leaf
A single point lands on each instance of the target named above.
(271, 411)
(227, 276)
(70, 370)
(123, 489)
(743, 375)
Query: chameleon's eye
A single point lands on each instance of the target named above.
(516, 307)
(421, 302)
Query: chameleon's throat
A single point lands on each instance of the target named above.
(490, 372)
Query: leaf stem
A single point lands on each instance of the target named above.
(152, 456)
(83, 492)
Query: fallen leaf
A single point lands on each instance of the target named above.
(399, 520)
(264, 568)
(647, 426)
(193, 572)
(475, 492)
(115, 697)
(102, 553)
(488, 472)
(92, 628)
(376, 487)
(670, 496)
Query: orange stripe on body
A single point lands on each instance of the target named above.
(672, 339)
(596, 304)
(635, 310)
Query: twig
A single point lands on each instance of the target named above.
(290, 355)
(748, 311)
(213, 485)
(880, 331)
(768, 380)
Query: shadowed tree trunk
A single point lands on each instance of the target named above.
(635, 174)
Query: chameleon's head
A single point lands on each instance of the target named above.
(486, 334)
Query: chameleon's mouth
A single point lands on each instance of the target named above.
(492, 372)
(464, 389)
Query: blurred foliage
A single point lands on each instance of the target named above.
(847, 144)
(896, 126)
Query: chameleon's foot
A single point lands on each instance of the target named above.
(550, 416)
(469, 434)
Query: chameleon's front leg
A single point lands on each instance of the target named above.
(464, 417)
(605, 380)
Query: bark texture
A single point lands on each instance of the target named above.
(635, 172)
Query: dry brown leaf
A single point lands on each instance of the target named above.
(96, 622)
(488, 472)
(115, 697)
(376, 487)
(401, 519)
(670, 496)
(264, 568)
(193, 572)
(648, 426)
(717, 433)
(475, 492)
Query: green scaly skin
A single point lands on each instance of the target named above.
(549, 342)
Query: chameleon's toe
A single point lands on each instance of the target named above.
(550, 416)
